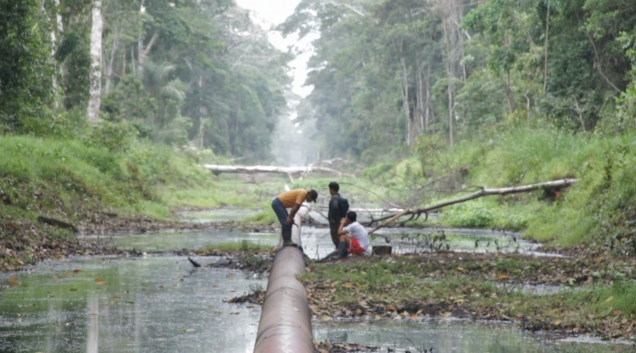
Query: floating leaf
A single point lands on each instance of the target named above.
(14, 281)
(73, 289)
(77, 271)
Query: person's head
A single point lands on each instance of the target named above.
(334, 188)
(312, 195)
(351, 217)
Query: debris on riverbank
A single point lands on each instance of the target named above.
(591, 295)
(327, 347)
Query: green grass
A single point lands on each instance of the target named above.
(242, 245)
(266, 216)
(476, 284)
(72, 178)
(596, 211)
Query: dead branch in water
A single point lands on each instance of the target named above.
(555, 184)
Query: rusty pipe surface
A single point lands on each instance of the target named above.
(285, 325)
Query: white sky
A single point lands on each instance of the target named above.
(269, 13)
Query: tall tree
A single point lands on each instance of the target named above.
(26, 71)
(97, 29)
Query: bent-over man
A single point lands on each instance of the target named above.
(354, 239)
(290, 199)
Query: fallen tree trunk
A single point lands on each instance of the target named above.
(57, 223)
(289, 171)
(556, 184)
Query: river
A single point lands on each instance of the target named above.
(158, 303)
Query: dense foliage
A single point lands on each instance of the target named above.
(385, 72)
(25, 66)
(196, 73)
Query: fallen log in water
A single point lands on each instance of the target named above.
(289, 171)
(555, 184)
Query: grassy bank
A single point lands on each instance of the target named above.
(109, 180)
(84, 184)
(575, 296)
(597, 211)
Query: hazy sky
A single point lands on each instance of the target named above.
(273, 12)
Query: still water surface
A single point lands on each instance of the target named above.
(158, 304)
(146, 304)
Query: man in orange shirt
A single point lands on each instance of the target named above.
(291, 199)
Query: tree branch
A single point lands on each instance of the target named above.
(556, 184)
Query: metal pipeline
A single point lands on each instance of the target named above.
(285, 325)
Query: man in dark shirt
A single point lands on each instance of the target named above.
(335, 213)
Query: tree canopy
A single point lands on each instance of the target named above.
(186, 73)
(387, 73)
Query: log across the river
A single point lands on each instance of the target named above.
(289, 171)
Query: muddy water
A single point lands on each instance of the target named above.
(158, 304)
(146, 304)
(448, 336)
(317, 241)
(167, 241)
(218, 215)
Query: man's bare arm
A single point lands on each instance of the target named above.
(341, 230)
(292, 213)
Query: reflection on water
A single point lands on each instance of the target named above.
(217, 215)
(446, 337)
(317, 242)
(167, 241)
(158, 304)
(152, 304)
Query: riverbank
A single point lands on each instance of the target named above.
(567, 296)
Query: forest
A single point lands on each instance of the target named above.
(387, 75)
(112, 104)
(437, 96)
(491, 143)
(182, 73)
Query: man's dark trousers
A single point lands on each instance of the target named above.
(281, 213)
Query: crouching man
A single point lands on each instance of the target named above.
(354, 239)
(290, 199)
